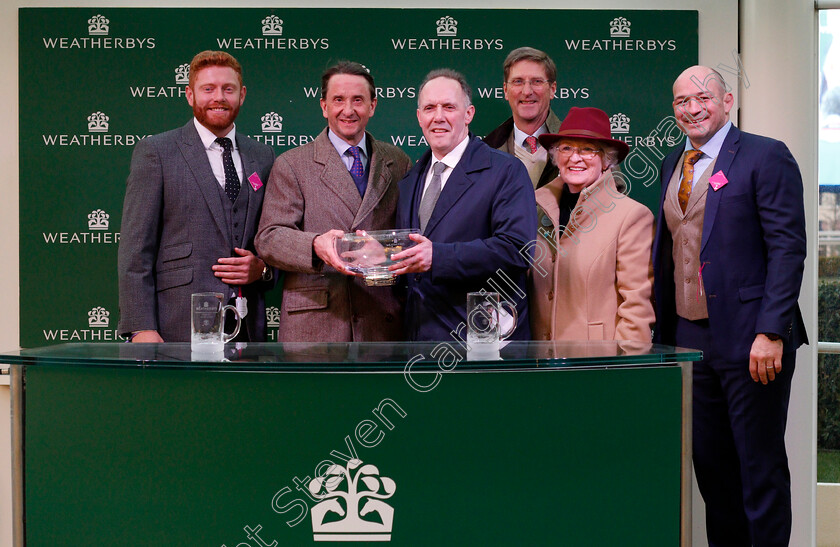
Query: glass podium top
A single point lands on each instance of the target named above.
(357, 356)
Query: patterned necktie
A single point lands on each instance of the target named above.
(430, 197)
(532, 144)
(357, 170)
(691, 157)
(231, 178)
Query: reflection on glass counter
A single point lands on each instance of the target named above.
(368, 356)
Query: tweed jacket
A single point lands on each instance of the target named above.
(593, 281)
(310, 192)
(174, 229)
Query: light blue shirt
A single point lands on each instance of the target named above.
(341, 147)
(519, 136)
(710, 150)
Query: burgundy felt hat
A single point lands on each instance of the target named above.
(586, 123)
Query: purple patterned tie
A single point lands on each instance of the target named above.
(357, 170)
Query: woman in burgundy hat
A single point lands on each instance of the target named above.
(591, 275)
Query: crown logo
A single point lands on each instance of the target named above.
(98, 220)
(272, 316)
(98, 123)
(619, 123)
(272, 26)
(98, 26)
(99, 317)
(619, 28)
(182, 74)
(272, 122)
(447, 26)
(351, 498)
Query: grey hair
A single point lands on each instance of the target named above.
(610, 155)
(452, 75)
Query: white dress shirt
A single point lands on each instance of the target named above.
(214, 152)
(450, 160)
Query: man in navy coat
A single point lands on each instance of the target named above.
(728, 260)
(476, 210)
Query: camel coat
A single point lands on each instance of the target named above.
(594, 282)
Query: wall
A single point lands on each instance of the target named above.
(779, 48)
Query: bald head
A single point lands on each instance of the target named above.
(704, 79)
(701, 103)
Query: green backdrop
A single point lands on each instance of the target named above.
(93, 81)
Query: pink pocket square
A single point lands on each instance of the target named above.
(718, 181)
(256, 183)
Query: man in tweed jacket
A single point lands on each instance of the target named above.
(342, 181)
(183, 231)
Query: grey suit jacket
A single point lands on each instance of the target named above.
(174, 230)
(311, 192)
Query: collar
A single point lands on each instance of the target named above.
(453, 157)
(341, 145)
(519, 136)
(605, 179)
(713, 145)
(208, 139)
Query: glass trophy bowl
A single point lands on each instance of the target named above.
(370, 254)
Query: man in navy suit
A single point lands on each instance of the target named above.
(728, 259)
(476, 210)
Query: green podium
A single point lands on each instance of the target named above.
(556, 443)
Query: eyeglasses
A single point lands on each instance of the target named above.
(703, 98)
(536, 83)
(566, 151)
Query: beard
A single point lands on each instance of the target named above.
(216, 120)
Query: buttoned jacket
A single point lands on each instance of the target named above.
(175, 228)
(593, 279)
(752, 248)
(481, 229)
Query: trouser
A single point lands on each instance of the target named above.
(739, 445)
